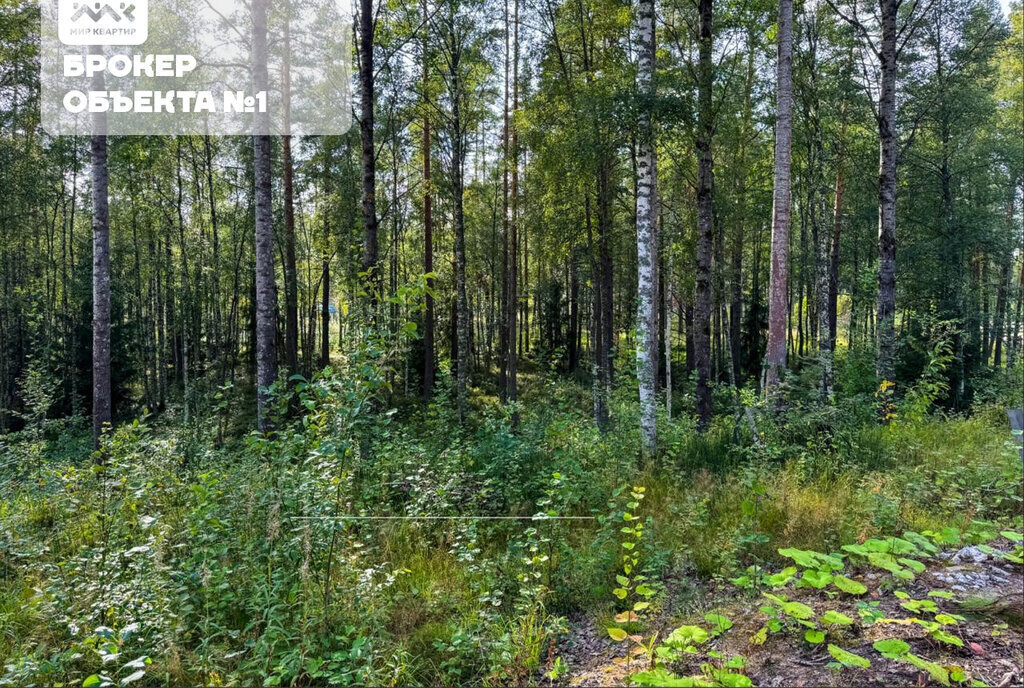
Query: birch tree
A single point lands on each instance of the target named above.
(266, 286)
(646, 237)
(101, 405)
(705, 215)
(775, 357)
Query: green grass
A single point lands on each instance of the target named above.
(208, 557)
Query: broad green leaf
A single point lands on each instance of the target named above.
(814, 637)
(815, 579)
(848, 658)
(893, 648)
(835, 618)
(685, 636)
(849, 586)
(719, 623)
(937, 672)
(617, 634)
(948, 638)
(913, 564)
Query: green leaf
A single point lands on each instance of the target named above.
(91, 681)
(893, 648)
(732, 680)
(912, 564)
(941, 594)
(937, 672)
(885, 561)
(814, 637)
(622, 580)
(640, 606)
(848, 658)
(664, 677)
(834, 618)
(849, 586)
(797, 610)
(917, 606)
(815, 579)
(617, 634)
(782, 577)
(810, 559)
(948, 638)
(620, 593)
(685, 636)
(720, 623)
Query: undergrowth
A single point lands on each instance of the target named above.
(365, 547)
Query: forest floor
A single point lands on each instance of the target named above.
(986, 591)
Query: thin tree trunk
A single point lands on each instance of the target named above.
(837, 230)
(291, 284)
(775, 357)
(101, 384)
(369, 156)
(325, 273)
(702, 297)
(885, 362)
(266, 287)
(646, 240)
(428, 230)
(512, 391)
(736, 305)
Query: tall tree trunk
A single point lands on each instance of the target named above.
(818, 193)
(837, 230)
(705, 218)
(428, 229)
(463, 323)
(266, 286)
(646, 240)
(369, 156)
(736, 301)
(505, 343)
(512, 391)
(101, 386)
(775, 357)
(291, 283)
(219, 353)
(888, 145)
(667, 324)
(598, 388)
(325, 271)
(574, 313)
(605, 191)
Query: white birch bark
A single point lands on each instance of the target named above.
(646, 243)
(775, 357)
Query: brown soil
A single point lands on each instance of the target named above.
(989, 593)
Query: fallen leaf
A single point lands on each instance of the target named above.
(976, 648)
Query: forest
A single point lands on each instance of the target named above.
(617, 342)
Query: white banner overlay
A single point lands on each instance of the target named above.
(145, 67)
